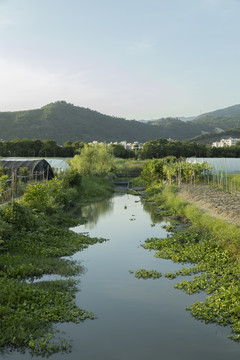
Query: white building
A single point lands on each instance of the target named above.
(225, 142)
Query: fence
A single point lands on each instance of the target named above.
(224, 173)
(15, 185)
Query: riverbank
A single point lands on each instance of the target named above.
(212, 201)
(211, 244)
(34, 239)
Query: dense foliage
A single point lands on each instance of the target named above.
(119, 151)
(160, 148)
(172, 170)
(94, 159)
(73, 123)
(151, 149)
(34, 235)
(76, 123)
(39, 148)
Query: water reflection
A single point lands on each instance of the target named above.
(94, 211)
(136, 319)
(152, 211)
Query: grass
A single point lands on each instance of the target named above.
(95, 188)
(234, 182)
(226, 234)
(129, 166)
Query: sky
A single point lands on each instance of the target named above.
(136, 59)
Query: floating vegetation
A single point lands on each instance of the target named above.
(33, 246)
(216, 272)
(168, 227)
(147, 274)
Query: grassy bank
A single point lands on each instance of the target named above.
(212, 246)
(225, 234)
(34, 235)
(129, 166)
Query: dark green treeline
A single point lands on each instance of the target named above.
(151, 149)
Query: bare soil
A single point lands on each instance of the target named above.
(213, 201)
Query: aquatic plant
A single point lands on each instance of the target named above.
(216, 272)
(147, 274)
(35, 236)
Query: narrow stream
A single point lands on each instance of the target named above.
(136, 319)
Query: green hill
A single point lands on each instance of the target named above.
(61, 121)
(230, 110)
(210, 138)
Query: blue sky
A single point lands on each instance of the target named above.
(137, 59)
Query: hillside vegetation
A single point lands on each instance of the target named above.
(211, 137)
(63, 122)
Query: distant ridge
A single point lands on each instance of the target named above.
(61, 121)
(230, 110)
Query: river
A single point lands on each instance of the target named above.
(136, 319)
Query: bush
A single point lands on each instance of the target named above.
(72, 178)
(18, 215)
(44, 197)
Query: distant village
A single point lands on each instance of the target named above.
(125, 144)
(226, 142)
(137, 145)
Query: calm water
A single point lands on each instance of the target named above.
(136, 319)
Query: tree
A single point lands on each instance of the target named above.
(49, 148)
(119, 151)
(94, 159)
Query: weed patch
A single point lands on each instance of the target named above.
(34, 237)
(212, 247)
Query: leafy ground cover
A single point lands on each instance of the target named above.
(147, 274)
(212, 247)
(215, 270)
(35, 235)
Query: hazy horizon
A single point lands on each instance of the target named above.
(137, 59)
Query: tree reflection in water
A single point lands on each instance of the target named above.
(92, 212)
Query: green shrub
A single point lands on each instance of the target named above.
(16, 216)
(72, 177)
(44, 197)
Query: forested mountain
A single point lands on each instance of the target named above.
(206, 127)
(230, 110)
(61, 122)
(211, 137)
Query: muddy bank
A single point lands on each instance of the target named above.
(213, 201)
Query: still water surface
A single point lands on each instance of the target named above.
(136, 319)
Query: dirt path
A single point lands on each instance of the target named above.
(213, 201)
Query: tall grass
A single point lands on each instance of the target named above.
(226, 234)
(95, 187)
(129, 166)
(234, 182)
